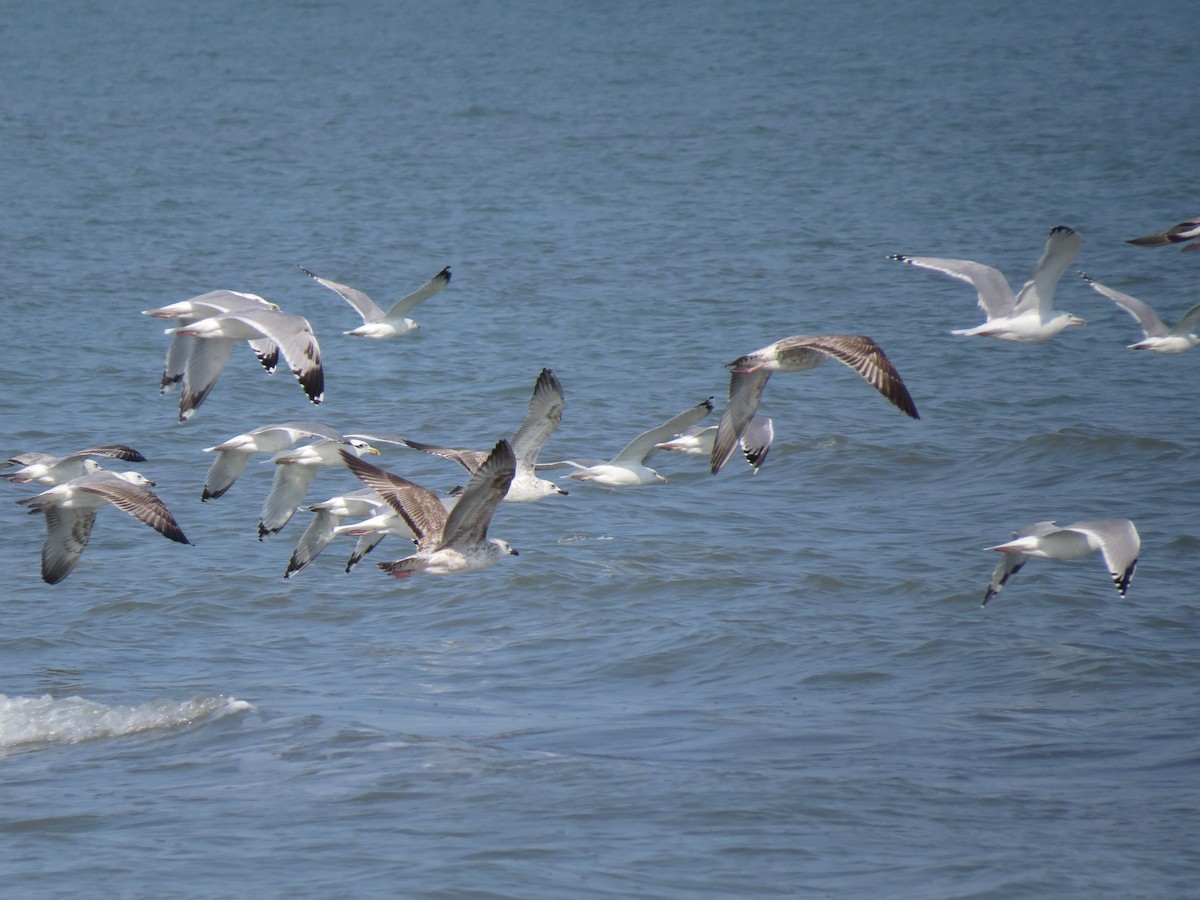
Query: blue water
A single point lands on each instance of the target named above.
(771, 685)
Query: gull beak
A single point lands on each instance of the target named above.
(373, 451)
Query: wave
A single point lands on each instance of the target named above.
(26, 721)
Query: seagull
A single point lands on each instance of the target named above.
(70, 509)
(755, 441)
(1160, 337)
(1027, 317)
(377, 323)
(295, 471)
(628, 468)
(42, 468)
(234, 453)
(199, 379)
(447, 542)
(293, 335)
(541, 421)
(1177, 234)
(327, 516)
(796, 354)
(1116, 539)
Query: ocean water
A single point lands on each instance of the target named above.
(770, 685)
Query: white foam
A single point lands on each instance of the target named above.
(69, 720)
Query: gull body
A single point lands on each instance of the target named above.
(1026, 317)
(628, 468)
(800, 353)
(295, 470)
(70, 509)
(1159, 336)
(1117, 541)
(447, 542)
(394, 322)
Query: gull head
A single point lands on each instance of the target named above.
(135, 478)
(362, 448)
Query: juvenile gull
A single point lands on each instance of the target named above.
(797, 354)
(1116, 539)
(1176, 234)
(42, 468)
(70, 509)
(1027, 317)
(234, 454)
(628, 468)
(376, 322)
(1160, 337)
(447, 542)
(199, 377)
(293, 335)
(541, 420)
(755, 441)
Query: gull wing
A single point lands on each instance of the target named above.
(67, 533)
(541, 420)
(409, 302)
(205, 360)
(296, 341)
(865, 357)
(363, 305)
(1152, 325)
(470, 460)
(745, 392)
(639, 448)
(1120, 545)
(996, 298)
(467, 523)
(288, 488)
(1176, 234)
(1038, 292)
(141, 503)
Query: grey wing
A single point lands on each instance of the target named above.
(995, 298)
(205, 360)
(408, 303)
(1062, 246)
(1184, 231)
(1008, 566)
(1188, 323)
(363, 305)
(67, 533)
(468, 521)
(1151, 324)
(470, 460)
(28, 459)
(420, 507)
(225, 470)
(175, 366)
(112, 451)
(366, 543)
(639, 448)
(317, 536)
(745, 392)
(141, 503)
(541, 420)
(1120, 545)
(288, 488)
(297, 343)
(756, 441)
(866, 358)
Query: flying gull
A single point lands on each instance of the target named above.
(541, 420)
(447, 542)
(755, 441)
(295, 470)
(42, 468)
(628, 468)
(376, 322)
(70, 509)
(1116, 539)
(1027, 317)
(797, 354)
(233, 454)
(1160, 337)
(292, 334)
(198, 378)
(1177, 234)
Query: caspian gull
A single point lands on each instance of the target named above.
(1116, 539)
(1026, 317)
(541, 420)
(1160, 337)
(628, 468)
(447, 542)
(70, 509)
(798, 354)
(1177, 234)
(376, 322)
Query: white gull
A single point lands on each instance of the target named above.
(42, 468)
(376, 322)
(1160, 337)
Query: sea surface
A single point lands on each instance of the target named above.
(771, 685)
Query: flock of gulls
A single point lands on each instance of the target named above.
(450, 531)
